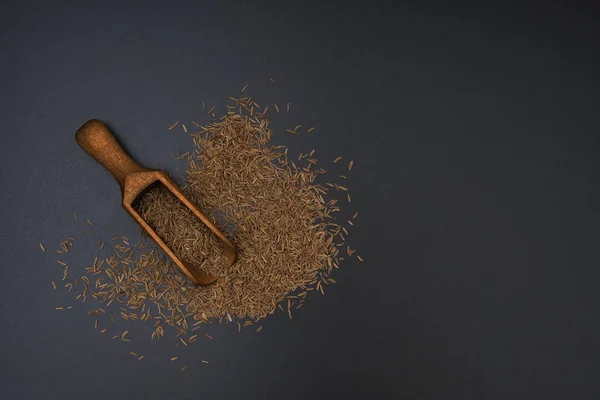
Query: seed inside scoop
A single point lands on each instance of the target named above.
(181, 230)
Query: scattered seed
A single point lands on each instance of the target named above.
(350, 164)
(42, 247)
(337, 159)
(174, 358)
(272, 80)
(184, 128)
(310, 130)
(270, 203)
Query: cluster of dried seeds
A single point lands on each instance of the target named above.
(179, 228)
(280, 219)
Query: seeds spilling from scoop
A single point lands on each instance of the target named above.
(276, 212)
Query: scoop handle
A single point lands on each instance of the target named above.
(99, 142)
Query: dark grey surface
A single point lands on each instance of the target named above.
(474, 133)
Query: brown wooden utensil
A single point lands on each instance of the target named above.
(97, 140)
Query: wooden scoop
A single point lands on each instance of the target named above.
(95, 138)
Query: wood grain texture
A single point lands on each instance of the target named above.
(97, 140)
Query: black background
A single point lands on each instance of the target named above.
(474, 131)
